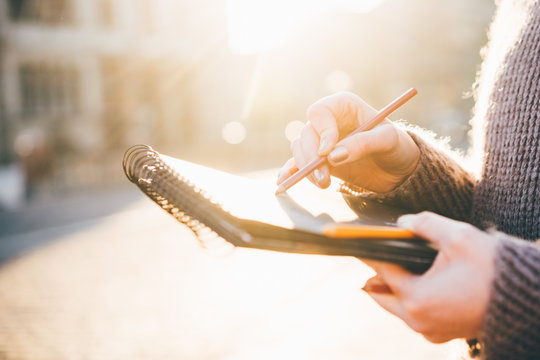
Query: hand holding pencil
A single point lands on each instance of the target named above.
(347, 138)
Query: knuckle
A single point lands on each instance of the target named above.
(462, 233)
(306, 130)
(319, 119)
(390, 129)
(330, 132)
(424, 216)
(419, 312)
(387, 135)
(424, 221)
(313, 110)
(344, 95)
(348, 95)
(391, 134)
(467, 230)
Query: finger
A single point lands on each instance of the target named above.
(310, 144)
(286, 171)
(379, 139)
(376, 285)
(390, 303)
(394, 276)
(324, 122)
(298, 155)
(441, 231)
(374, 264)
(399, 280)
(299, 158)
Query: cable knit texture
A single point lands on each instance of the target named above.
(508, 194)
(506, 133)
(512, 327)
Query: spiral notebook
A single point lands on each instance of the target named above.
(246, 213)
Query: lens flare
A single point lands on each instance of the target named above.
(234, 132)
(292, 130)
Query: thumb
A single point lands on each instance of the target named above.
(379, 139)
(436, 228)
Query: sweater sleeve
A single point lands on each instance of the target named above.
(438, 184)
(512, 323)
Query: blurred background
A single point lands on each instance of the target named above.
(224, 83)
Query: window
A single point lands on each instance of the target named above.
(52, 12)
(48, 89)
(131, 93)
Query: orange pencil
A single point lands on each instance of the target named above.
(317, 162)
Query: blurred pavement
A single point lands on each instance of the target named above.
(111, 276)
(47, 217)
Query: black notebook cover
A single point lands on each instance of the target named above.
(246, 213)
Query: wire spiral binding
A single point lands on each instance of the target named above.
(181, 198)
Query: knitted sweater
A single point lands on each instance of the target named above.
(506, 195)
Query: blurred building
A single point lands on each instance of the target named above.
(82, 80)
(89, 77)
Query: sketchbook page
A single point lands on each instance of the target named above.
(303, 207)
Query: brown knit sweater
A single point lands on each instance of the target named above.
(506, 195)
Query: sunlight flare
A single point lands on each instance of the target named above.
(255, 26)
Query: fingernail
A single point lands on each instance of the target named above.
(405, 221)
(324, 147)
(319, 176)
(377, 288)
(338, 155)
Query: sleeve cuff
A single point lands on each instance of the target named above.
(438, 184)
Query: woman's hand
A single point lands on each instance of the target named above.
(449, 300)
(378, 159)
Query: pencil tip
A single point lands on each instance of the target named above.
(280, 190)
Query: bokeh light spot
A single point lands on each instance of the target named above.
(234, 132)
(338, 81)
(292, 130)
